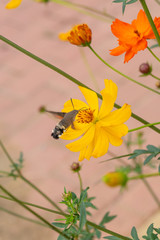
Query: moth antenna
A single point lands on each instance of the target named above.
(72, 103)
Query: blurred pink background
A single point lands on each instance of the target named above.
(25, 85)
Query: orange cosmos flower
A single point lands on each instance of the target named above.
(80, 35)
(133, 37)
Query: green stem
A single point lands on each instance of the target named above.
(22, 217)
(84, 9)
(40, 60)
(154, 76)
(108, 231)
(141, 176)
(26, 180)
(80, 181)
(144, 5)
(151, 192)
(33, 212)
(153, 54)
(120, 73)
(147, 125)
(36, 206)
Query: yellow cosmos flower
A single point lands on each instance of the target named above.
(80, 35)
(97, 127)
(13, 4)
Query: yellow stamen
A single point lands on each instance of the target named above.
(85, 116)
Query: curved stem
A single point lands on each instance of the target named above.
(151, 192)
(154, 76)
(22, 217)
(141, 176)
(153, 54)
(36, 206)
(86, 10)
(147, 125)
(80, 181)
(107, 231)
(26, 180)
(33, 212)
(120, 73)
(144, 5)
(40, 60)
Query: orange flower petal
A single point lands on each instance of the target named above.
(118, 50)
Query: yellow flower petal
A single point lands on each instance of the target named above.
(77, 104)
(86, 152)
(71, 134)
(83, 141)
(115, 133)
(110, 88)
(91, 98)
(13, 4)
(101, 142)
(107, 105)
(117, 117)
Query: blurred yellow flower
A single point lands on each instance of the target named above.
(97, 127)
(80, 35)
(13, 4)
(114, 179)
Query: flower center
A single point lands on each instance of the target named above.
(85, 116)
(136, 32)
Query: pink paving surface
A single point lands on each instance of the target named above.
(26, 84)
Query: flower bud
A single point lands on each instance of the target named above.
(80, 35)
(158, 84)
(145, 68)
(75, 167)
(114, 179)
(42, 109)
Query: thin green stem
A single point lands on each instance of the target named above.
(36, 206)
(108, 231)
(151, 192)
(144, 5)
(40, 60)
(141, 176)
(147, 125)
(80, 181)
(33, 212)
(120, 73)
(26, 180)
(85, 9)
(153, 54)
(154, 76)
(22, 217)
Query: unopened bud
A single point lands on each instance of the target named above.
(145, 68)
(75, 167)
(114, 179)
(42, 109)
(158, 84)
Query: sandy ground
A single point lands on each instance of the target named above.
(26, 84)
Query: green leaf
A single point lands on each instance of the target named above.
(82, 218)
(157, 230)
(98, 233)
(134, 234)
(154, 46)
(159, 169)
(59, 225)
(153, 148)
(89, 204)
(74, 196)
(83, 194)
(148, 159)
(107, 218)
(60, 237)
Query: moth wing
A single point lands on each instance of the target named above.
(59, 115)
